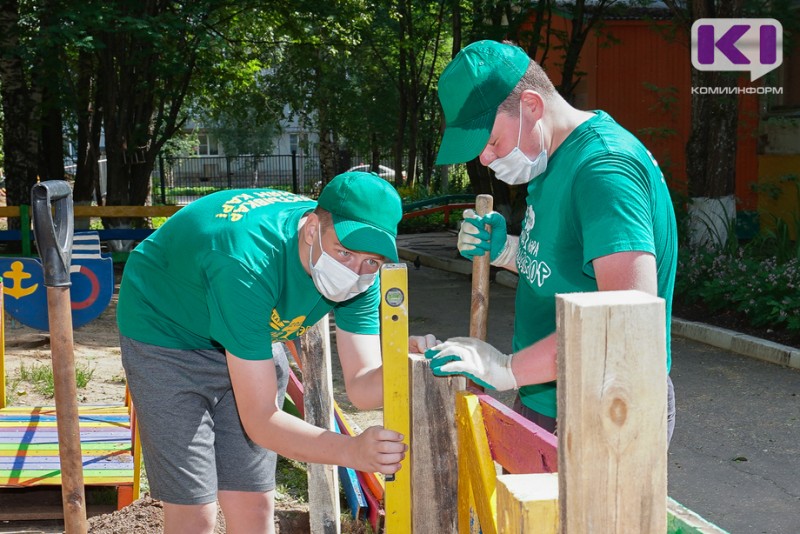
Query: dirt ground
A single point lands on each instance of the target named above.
(96, 348)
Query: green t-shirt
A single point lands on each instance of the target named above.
(602, 193)
(225, 272)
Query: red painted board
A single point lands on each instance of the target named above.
(295, 391)
(517, 444)
(375, 512)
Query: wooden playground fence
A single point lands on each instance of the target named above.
(612, 471)
(445, 204)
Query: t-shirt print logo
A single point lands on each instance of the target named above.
(286, 330)
(534, 270)
(754, 45)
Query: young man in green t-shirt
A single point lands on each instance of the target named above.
(599, 214)
(204, 307)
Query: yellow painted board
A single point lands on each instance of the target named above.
(51, 449)
(2, 349)
(396, 412)
(528, 503)
(51, 410)
(137, 464)
(87, 481)
(474, 444)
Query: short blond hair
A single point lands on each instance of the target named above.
(534, 79)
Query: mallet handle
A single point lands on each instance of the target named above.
(479, 310)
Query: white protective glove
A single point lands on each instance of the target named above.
(419, 344)
(476, 359)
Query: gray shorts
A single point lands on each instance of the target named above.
(193, 442)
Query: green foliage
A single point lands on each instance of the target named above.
(429, 223)
(765, 290)
(759, 278)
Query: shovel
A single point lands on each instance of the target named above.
(54, 241)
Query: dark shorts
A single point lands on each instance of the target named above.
(193, 442)
(549, 424)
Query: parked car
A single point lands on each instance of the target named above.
(383, 171)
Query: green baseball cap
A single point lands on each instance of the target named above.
(366, 210)
(471, 88)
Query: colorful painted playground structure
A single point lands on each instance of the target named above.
(474, 464)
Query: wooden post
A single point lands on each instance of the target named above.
(479, 310)
(434, 448)
(612, 404)
(527, 503)
(323, 479)
(396, 409)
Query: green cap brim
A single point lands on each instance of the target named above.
(360, 237)
(462, 143)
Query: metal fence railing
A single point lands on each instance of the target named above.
(179, 180)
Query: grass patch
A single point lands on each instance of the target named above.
(292, 481)
(40, 377)
(12, 390)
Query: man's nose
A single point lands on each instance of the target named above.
(486, 157)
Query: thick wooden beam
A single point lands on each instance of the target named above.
(434, 442)
(106, 211)
(612, 401)
(527, 503)
(323, 480)
(126, 211)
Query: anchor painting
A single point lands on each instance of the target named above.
(92, 278)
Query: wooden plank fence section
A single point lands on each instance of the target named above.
(434, 496)
(612, 412)
(323, 479)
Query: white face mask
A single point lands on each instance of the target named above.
(333, 279)
(515, 168)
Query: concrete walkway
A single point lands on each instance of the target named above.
(734, 455)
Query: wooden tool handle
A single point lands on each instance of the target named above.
(479, 310)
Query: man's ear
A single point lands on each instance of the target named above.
(533, 103)
(310, 228)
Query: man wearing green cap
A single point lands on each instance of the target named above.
(205, 305)
(599, 215)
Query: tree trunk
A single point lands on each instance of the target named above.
(50, 61)
(403, 112)
(87, 173)
(711, 149)
(20, 136)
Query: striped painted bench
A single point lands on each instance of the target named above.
(29, 448)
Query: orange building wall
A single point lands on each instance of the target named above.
(643, 80)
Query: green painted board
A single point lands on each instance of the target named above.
(681, 520)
